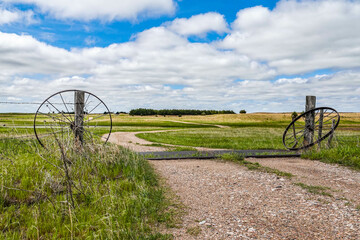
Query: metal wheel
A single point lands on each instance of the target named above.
(73, 114)
(311, 128)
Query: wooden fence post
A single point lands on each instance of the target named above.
(309, 120)
(332, 134)
(321, 119)
(79, 97)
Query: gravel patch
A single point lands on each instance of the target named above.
(227, 201)
(343, 182)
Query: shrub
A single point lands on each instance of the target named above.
(177, 112)
(294, 115)
(242, 111)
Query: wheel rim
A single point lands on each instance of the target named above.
(55, 118)
(300, 135)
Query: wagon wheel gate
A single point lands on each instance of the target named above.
(72, 115)
(311, 128)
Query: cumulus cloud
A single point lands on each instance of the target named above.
(236, 73)
(23, 54)
(12, 16)
(299, 36)
(154, 57)
(199, 24)
(107, 10)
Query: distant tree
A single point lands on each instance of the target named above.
(294, 115)
(176, 112)
(242, 111)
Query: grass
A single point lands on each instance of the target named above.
(194, 231)
(115, 194)
(320, 190)
(246, 131)
(226, 138)
(239, 159)
(345, 150)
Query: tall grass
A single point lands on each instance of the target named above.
(68, 193)
(344, 150)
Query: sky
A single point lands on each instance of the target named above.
(261, 56)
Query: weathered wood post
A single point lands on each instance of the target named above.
(321, 119)
(79, 97)
(309, 120)
(332, 134)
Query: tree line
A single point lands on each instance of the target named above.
(146, 112)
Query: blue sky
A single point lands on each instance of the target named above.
(230, 54)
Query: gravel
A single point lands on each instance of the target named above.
(226, 201)
(343, 182)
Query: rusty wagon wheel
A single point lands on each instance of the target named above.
(72, 114)
(311, 128)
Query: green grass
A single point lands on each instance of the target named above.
(319, 190)
(227, 138)
(116, 194)
(239, 159)
(345, 150)
(194, 231)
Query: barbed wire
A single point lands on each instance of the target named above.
(20, 103)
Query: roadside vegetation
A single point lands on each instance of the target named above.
(344, 150)
(68, 193)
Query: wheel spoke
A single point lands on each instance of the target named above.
(59, 111)
(54, 118)
(66, 108)
(89, 120)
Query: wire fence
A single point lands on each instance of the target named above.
(338, 137)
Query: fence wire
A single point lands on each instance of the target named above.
(338, 139)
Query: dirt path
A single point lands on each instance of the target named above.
(131, 141)
(344, 182)
(227, 201)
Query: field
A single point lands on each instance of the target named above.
(112, 192)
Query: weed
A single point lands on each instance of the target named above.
(194, 231)
(320, 190)
(238, 158)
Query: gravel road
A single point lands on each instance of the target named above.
(227, 201)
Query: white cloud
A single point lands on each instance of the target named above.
(199, 24)
(299, 36)
(22, 54)
(155, 57)
(295, 37)
(90, 40)
(12, 16)
(106, 10)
